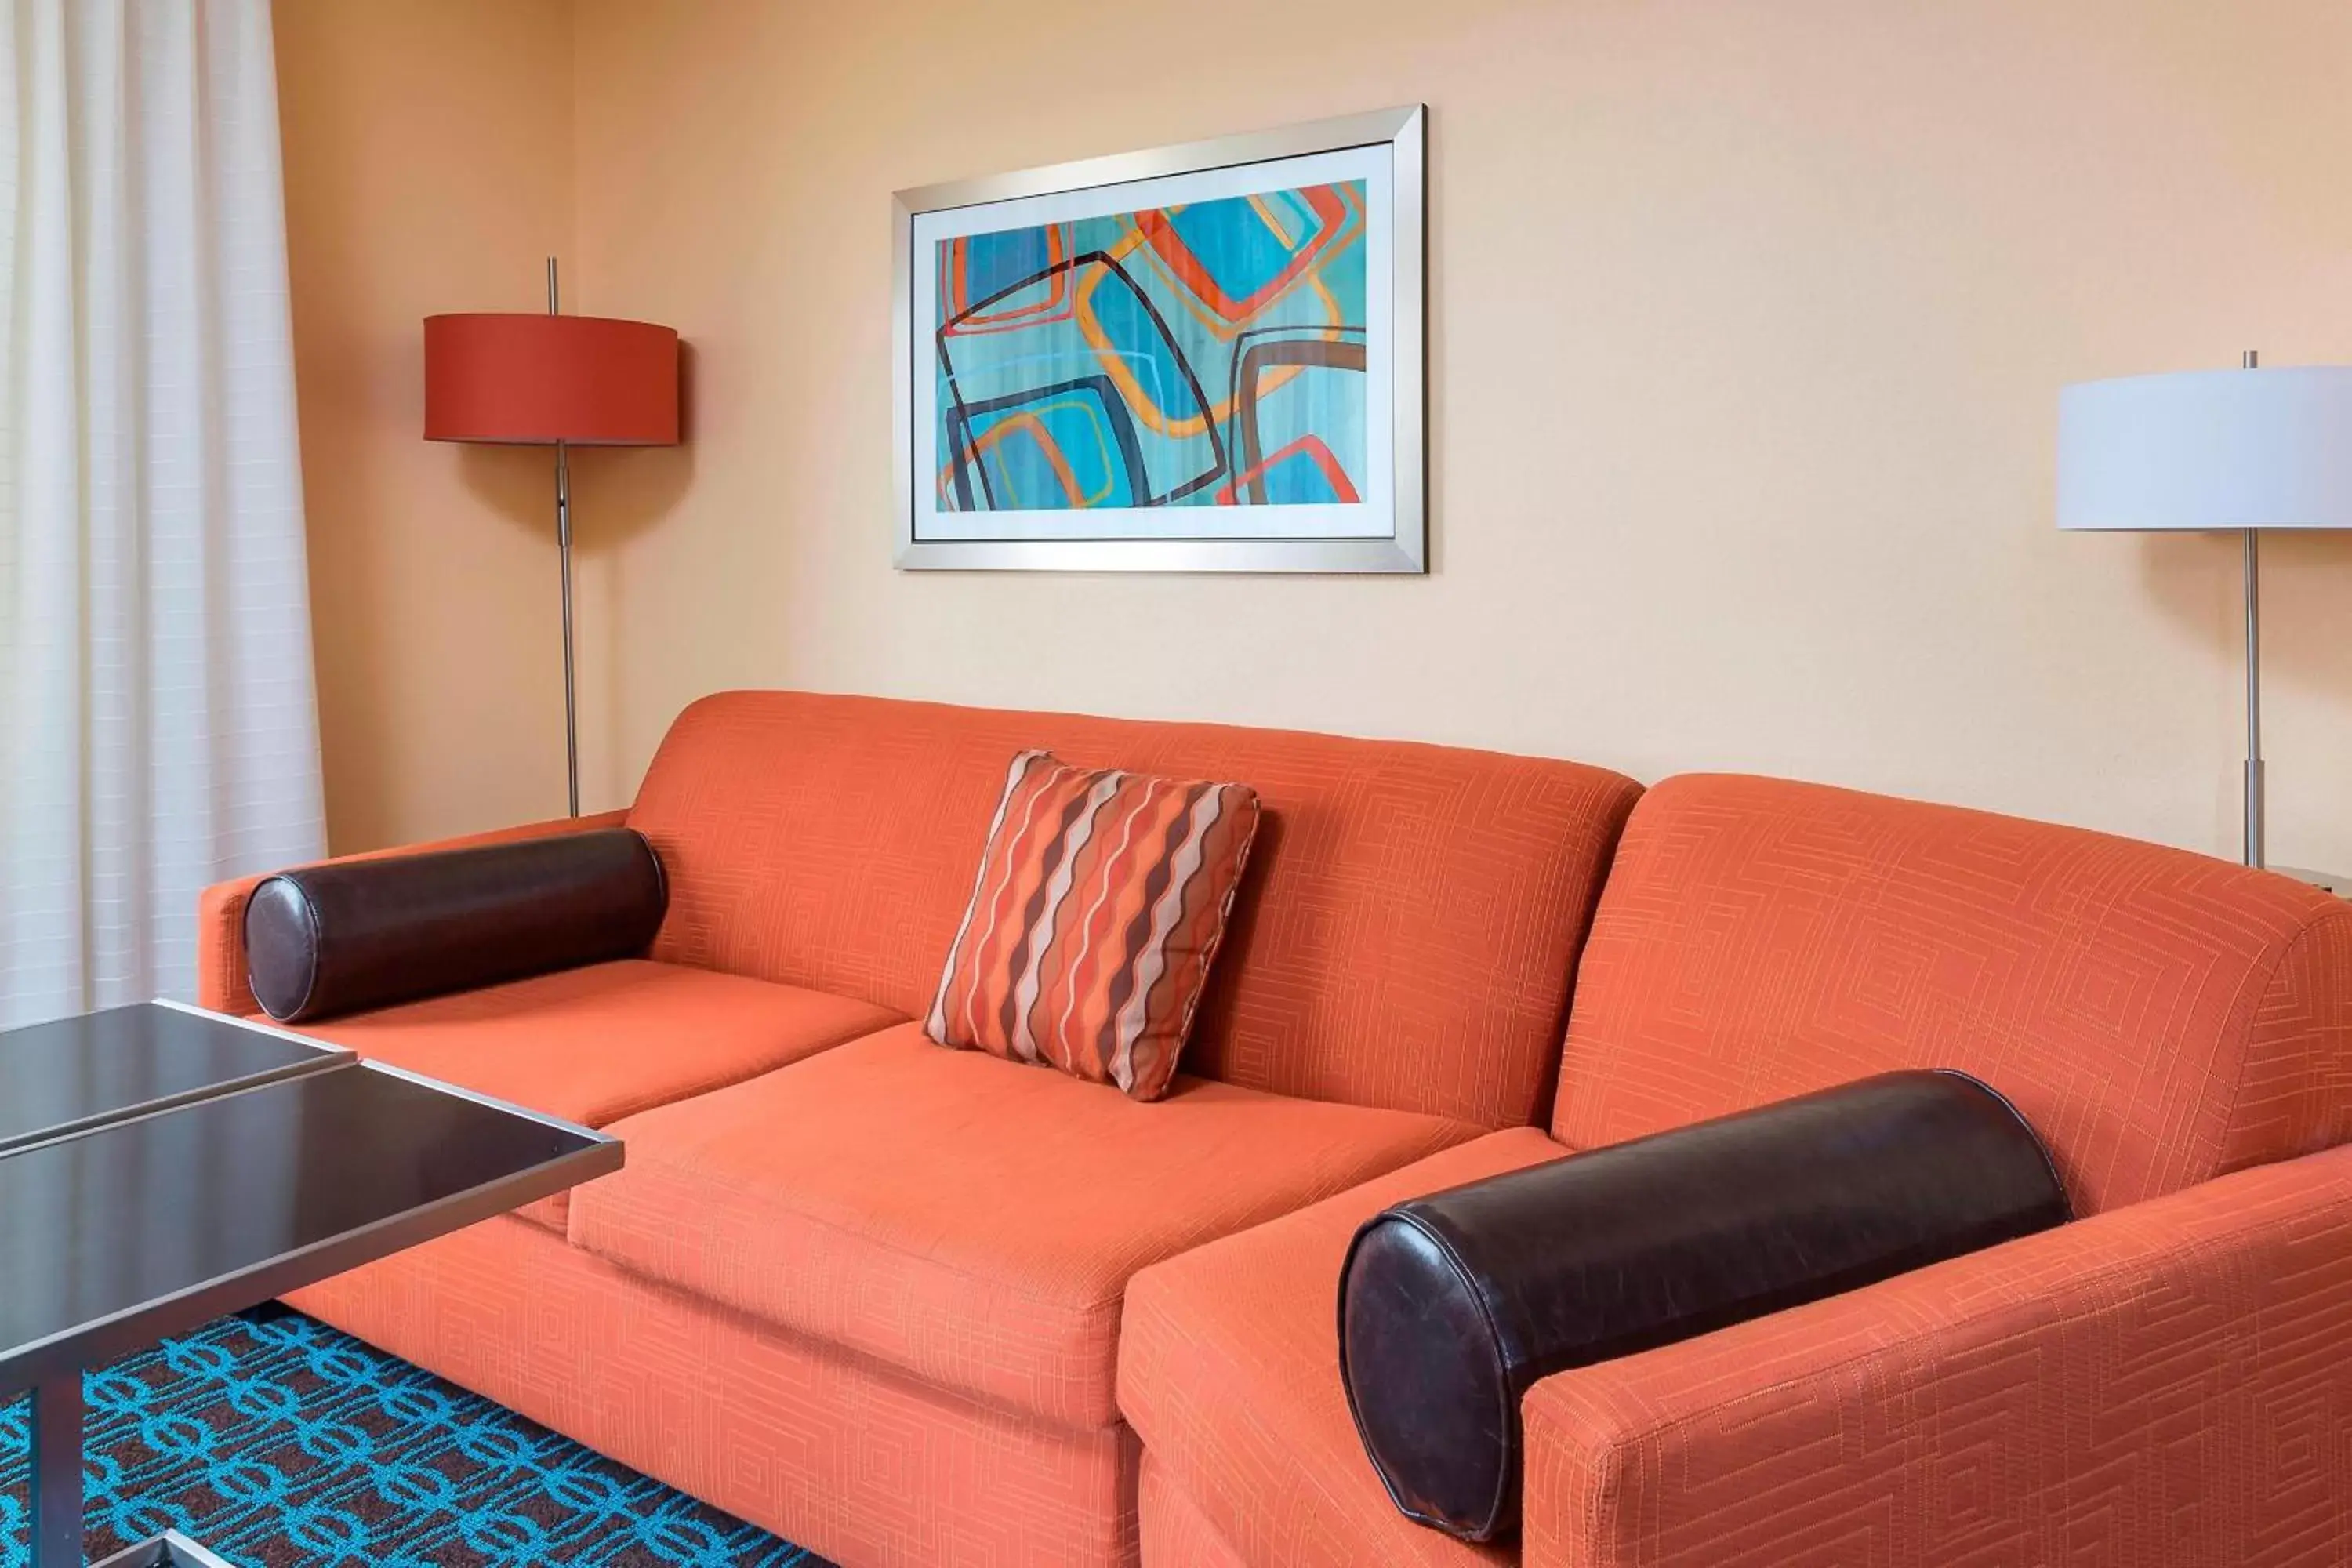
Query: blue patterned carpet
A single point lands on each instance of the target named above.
(279, 1443)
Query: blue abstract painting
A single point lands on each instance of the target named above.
(1206, 354)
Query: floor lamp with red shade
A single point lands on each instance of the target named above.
(554, 381)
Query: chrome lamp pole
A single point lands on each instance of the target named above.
(563, 549)
(2253, 853)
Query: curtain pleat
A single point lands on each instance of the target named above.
(158, 729)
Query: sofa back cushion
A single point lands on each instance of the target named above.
(1405, 936)
(2160, 1017)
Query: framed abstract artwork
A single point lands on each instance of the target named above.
(1203, 358)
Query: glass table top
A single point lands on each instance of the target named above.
(126, 1061)
(127, 1230)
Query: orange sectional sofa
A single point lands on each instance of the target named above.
(909, 1306)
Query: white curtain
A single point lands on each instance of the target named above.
(158, 728)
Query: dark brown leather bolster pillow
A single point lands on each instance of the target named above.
(356, 935)
(1452, 1305)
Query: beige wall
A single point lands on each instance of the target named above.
(1747, 325)
(429, 168)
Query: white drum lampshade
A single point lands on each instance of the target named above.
(2207, 450)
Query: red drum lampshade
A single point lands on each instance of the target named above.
(537, 380)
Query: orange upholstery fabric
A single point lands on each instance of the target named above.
(869, 1470)
(2164, 1382)
(969, 1220)
(2160, 1017)
(1229, 1370)
(1174, 1533)
(1101, 900)
(1404, 937)
(221, 969)
(596, 1044)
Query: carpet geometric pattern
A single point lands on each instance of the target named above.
(279, 1443)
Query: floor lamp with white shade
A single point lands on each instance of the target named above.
(2242, 451)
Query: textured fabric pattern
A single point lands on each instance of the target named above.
(2158, 1016)
(1100, 900)
(224, 982)
(1404, 937)
(1229, 1370)
(2163, 1383)
(157, 723)
(972, 1221)
(596, 1044)
(829, 1451)
(1175, 1534)
(279, 1443)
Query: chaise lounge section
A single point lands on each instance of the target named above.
(2162, 1381)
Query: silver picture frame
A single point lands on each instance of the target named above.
(1404, 548)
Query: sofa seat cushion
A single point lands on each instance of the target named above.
(1229, 1370)
(597, 1044)
(969, 1220)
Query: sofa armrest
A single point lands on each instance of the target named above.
(1454, 1305)
(2166, 1382)
(222, 982)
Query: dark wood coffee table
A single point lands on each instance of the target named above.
(161, 1166)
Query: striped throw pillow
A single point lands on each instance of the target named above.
(1100, 901)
